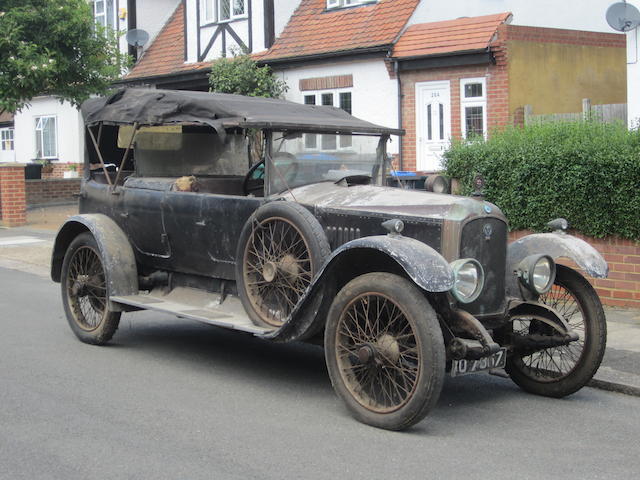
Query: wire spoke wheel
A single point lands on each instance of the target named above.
(84, 292)
(87, 288)
(277, 268)
(378, 353)
(561, 370)
(553, 363)
(384, 350)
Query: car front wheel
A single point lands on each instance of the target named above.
(384, 351)
(563, 370)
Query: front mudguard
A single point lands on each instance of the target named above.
(117, 255)
(557, 245)
(421, 263)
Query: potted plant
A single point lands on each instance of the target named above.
(72, 172)
(47, 166)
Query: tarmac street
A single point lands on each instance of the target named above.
(171, 398)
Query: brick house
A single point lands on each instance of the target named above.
(468, 76)
(380, 60)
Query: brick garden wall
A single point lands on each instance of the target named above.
(622, 287)
(57, 190)
(12, 195)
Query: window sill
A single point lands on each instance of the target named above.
(219, 22)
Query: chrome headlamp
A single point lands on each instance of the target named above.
(468, 279)
(537, 273)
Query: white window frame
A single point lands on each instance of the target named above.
(336, 103)
(7, 136)
(40, 131)
(473, 102)
(347, 3)
(212, 6)
(232, 15)
(109, 21)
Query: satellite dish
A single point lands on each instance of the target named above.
(623, 17)
(137, 37)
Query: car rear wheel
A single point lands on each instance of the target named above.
(84, 292)
(563, 370)
(385, 351)
(281, 249)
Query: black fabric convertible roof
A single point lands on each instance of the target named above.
(220, 111)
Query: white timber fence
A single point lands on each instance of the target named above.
(614, 112)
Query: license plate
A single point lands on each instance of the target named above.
(465, 367)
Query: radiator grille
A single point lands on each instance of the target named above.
(485, 239)
(340, 235)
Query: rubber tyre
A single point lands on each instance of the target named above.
(595, 339)
(110, 320)
(307, 225)
(427, 331)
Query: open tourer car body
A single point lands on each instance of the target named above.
(271, 217)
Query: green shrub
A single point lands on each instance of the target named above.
(586, 172)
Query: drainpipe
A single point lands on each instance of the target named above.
(131, 24)
(396, 69)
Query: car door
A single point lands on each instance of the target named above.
(143, 201)
(203, 230)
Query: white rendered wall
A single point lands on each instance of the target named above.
(7, 155)
(69, 130)
(374, 95)
(569, 14)
(153, 14)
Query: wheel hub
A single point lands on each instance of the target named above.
(269, 271)
(365, 354)
(289, 266)
(388, 346)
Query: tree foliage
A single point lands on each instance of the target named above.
(241, 75)
(586, 172)
(53, 47)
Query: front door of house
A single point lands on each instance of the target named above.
(433, 123)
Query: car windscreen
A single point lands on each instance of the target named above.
(175, 151)
(305, 158)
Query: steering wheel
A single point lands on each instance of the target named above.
(254, 180)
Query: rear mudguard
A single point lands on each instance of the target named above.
(422, 264)
(557, 245)
(115, 250)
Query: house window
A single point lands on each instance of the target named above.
(310, 139)
(347, 3)
(221, 10)
(6, 138)
(208, 10)
(230, 9)
(340, 99)
(104, 12)
(46, 137)
(473, 107)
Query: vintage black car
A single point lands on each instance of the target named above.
(271, 217)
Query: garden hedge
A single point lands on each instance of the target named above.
(586, 172)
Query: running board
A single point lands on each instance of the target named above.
(195, 305)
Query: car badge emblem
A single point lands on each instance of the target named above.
(487, 208)
(488, 231)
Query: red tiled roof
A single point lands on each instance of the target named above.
(314, 30)
(462, 34)
(166, 53)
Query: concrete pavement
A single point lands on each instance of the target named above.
(28, 249)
